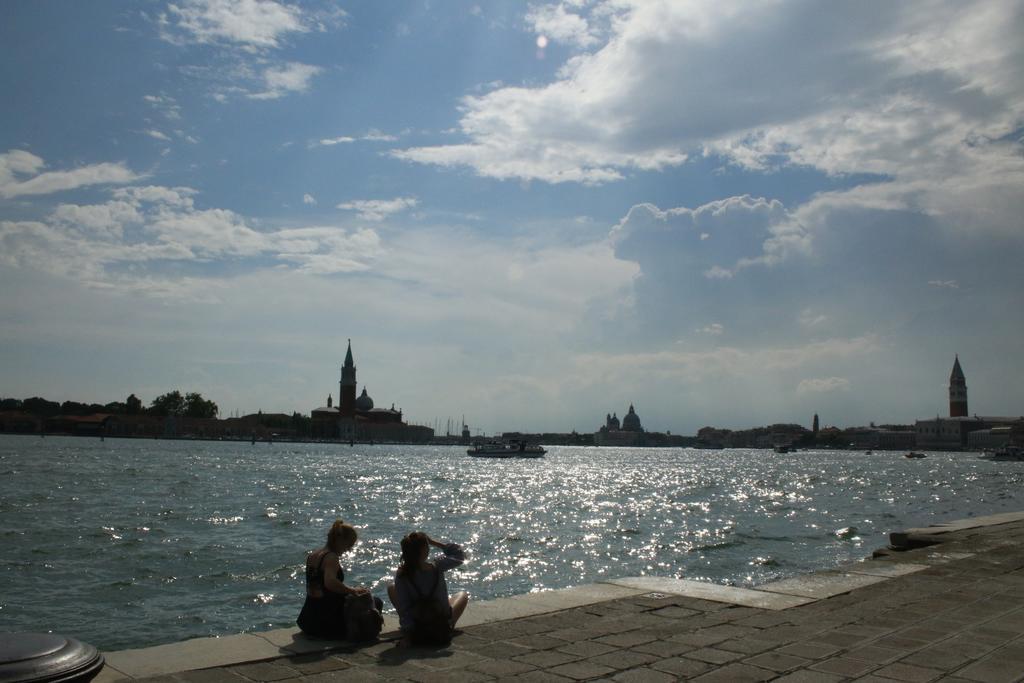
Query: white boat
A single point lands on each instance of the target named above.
(506, 449)
(1006, 453)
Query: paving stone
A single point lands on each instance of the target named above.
(207, 676)
(547, 658)
(844, 666)
(346, 676)
(644, 675)
(675, 612)
(713, 655)
(448, 676)
(582, 670)
(809, 650)
(264, 671)
(537, 642)
(839, 639)
(896, 642)
(808, 677)
(662, 648)
(907, 672)
(681, 666)
(776, 661)
(939, 658)
(622, 659)
(746, 646)
(736, 673)
(875, 654)
(448, 659)
(537, 677)
(499, 650)
(586, 648)
(314, 662)
(625, 639)
(501, 667)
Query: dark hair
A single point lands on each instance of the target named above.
(412, 552)
(341, 536)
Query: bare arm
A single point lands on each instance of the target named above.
(453, 555)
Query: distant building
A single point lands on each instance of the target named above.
(957, 391)
(357, 418)
(957, 431)
(629, 433)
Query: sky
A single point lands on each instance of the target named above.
(531, 214)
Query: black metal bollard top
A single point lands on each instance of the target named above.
(40, 657)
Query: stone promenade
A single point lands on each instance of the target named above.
(950, 608)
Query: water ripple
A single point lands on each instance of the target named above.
(155, 541)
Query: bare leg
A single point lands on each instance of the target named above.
(458, 603)
(393, 595)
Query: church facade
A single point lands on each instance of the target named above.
(357, 419)
(627, 433)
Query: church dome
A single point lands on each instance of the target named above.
(631, 421)
(364, 402)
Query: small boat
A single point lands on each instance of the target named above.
(782, 448)
(1006, 454)
(914, 454)
(506, 449)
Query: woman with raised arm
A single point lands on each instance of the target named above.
(323, 613)
(426, 613)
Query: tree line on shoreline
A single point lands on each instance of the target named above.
(170, 404)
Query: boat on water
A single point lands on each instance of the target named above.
(783, 448)
(915, 454)
(506, 449)
(1006, 454)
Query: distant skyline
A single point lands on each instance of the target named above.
(530, 214)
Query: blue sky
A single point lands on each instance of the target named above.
(532, 214)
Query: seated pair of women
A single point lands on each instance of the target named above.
(417, 581)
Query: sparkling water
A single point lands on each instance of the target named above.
(127, 543)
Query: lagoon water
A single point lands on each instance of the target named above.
(128, 543)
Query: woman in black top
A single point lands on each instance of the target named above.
(323, 612)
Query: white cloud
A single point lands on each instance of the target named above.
(555, 23)
(375, 135)
(309, 199)
(713, 329)
(16, 164)
(144, 226)
(756, 82)
(811, 318)
(822, 385)
(293, 77)
(944, 284)
(165, 104)
(378, 209)
(251, 23)
(328, 142)
(153, 133)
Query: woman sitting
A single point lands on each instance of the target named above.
(426, 614)
(323, 613)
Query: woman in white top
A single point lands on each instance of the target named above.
(426, 613)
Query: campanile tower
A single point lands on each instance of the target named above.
(957, 391)
(347, 386)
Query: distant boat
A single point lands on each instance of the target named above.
(915, 454)
(1006, 453)
(506, 449)
(782, 448)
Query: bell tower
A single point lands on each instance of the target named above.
(957, 391)
(347, 386)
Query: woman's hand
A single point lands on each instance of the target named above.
(360, 590)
